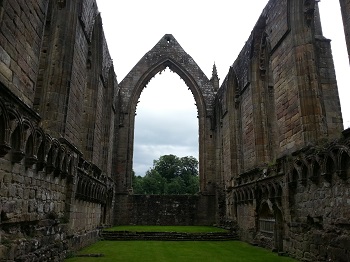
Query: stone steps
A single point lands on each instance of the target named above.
(167, 236)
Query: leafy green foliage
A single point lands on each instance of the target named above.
(170, 175)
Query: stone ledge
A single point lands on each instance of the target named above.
(168, 236)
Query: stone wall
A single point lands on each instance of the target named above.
(283, 160)
(57, 107)
(274, 162)
(165, 210)
(22, 24)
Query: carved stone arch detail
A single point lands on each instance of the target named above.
(337, 149)
(43, 148)
(65, 164)
(278, 193)
(264, 191)
(103, 195)
(239, 196)
(264, 55)
(52, 156)
(344, 165)
(84, 188)
(242, 193)
(28, 138)
(251, 194)
(90, 191)
(98, 193)
(87, 190)
(258, 192)
(315, 170)
(4, 130)
(235, 196)
(71, 168)
(39, 142)
(245, 195)
(79, 187)
(293, 177)
(178, 69)
(95, 191)
(16, 135)
(300, 170)
(330, 166)
(233, 87)
(340, 153)
(167, 53)
(304, 172)
(265, 209)
(28, 129)
(272, 191)
(61, 154)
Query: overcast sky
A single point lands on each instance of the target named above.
(166, 121)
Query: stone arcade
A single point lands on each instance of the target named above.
(274, 158)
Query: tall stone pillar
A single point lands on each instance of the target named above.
(345, 11)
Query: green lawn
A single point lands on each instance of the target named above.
(179, 251)
(182, 229)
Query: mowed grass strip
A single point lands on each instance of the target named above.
(181, 229)
(176, 251)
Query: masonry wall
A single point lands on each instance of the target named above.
(22, 24)
(319, 226)
(285, 185)
(280, 94)
(57, 109)
(165, 210)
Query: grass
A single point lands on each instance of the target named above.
(175, 251)
(182, 229)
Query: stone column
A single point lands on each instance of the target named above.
(345, 10)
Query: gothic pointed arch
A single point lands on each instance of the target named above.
(167, 53)
(4, 130)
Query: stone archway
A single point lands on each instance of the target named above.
(166, 53)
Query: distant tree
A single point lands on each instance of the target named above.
(176, 186)
(153, 183)
(137, 183)
(168, 166)
(169, 175)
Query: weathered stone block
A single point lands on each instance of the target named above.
(5, 71)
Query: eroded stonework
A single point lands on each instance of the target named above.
(274, 158)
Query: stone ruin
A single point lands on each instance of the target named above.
(274, 160)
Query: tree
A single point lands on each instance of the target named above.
(169, 175)
(168, 166)
(153, 183)
(137, 183)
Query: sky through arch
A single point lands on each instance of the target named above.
(166, 121)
